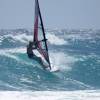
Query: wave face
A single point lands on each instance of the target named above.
(75, 52)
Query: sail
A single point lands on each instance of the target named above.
(39, 34)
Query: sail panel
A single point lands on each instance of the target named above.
(39, 34)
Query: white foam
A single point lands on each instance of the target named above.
(19, 37)
(59, 60)
(53, 39)
(24, 38)
(50, 95)
(62, 60)
(15, 50)
(1, 38)
(9, 52)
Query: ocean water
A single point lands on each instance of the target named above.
(75, 52)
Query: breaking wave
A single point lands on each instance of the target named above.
(76, 53)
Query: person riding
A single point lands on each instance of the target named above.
(30, 47)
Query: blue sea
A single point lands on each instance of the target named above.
(75, 52)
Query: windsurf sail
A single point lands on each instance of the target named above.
(39, 36)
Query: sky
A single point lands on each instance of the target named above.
(59, 14)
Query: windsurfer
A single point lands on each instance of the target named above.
(30, 48)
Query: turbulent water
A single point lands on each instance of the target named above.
(75, 52)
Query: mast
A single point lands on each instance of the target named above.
(42, 26)
(35, 22)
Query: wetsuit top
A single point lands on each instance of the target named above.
(29, 50)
